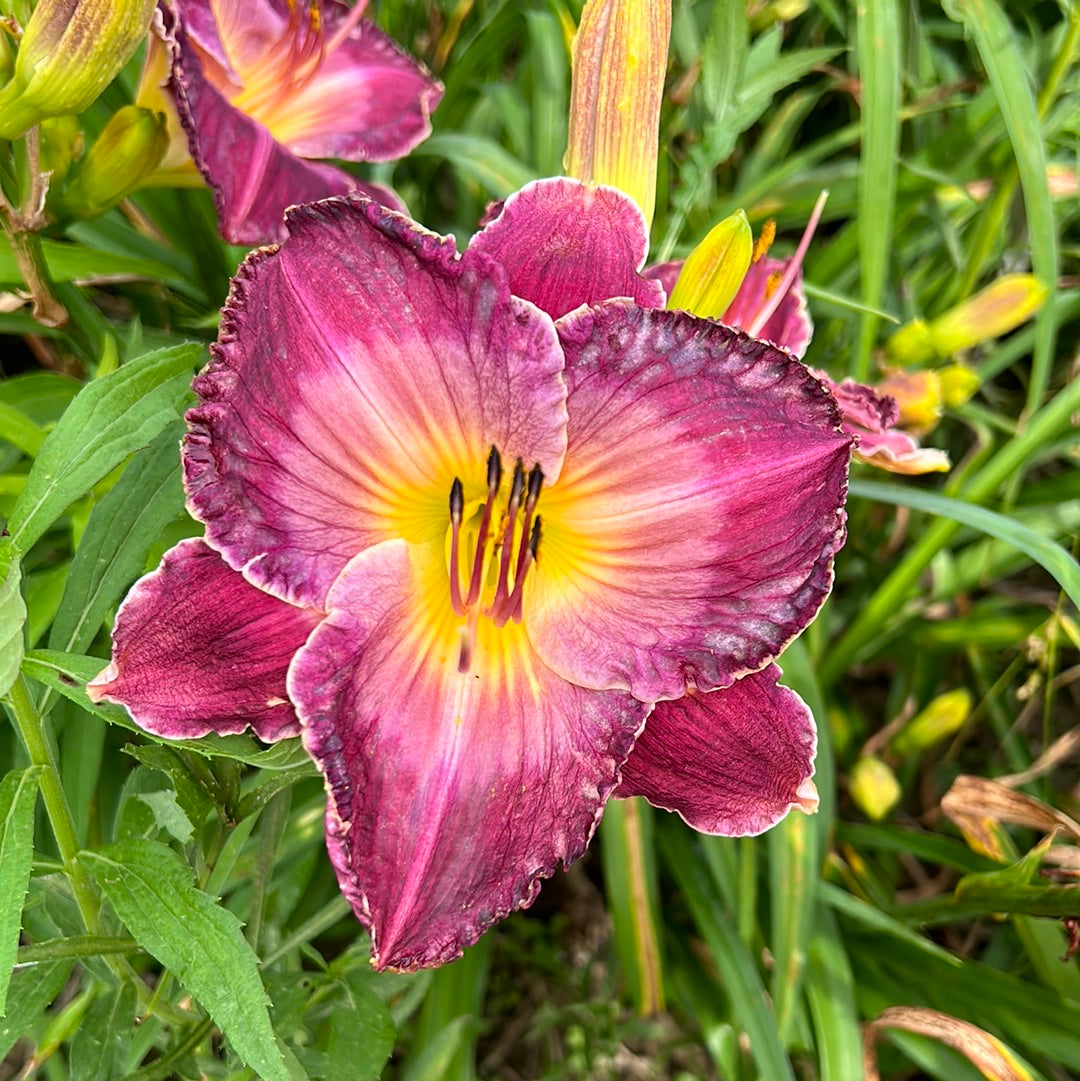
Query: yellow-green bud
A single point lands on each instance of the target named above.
(993, 311)
(958, 384)
(61, 144)
(70, 51)
(714, 270)
(128, 149)
(944, 716)
(911, 344)
(874, 787)
(617, 85)
(918, 393)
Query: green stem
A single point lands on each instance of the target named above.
(31, 728)
(75, 948)
(26, 248)
(162, 1068)
(889, 597)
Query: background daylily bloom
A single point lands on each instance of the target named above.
(262, 86)
(542, 543)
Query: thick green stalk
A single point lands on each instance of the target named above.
(890, 596)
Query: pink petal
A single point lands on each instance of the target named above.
(196, 649)
(732, 761)
(369, 101)
(254, 178)
(667, 274)
(361, 369)
(692, 533)
(565, 244)
(450, 795)
(789, 326)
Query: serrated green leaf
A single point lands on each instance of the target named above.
(110, 418)
(168, 814)
(12, 616)
(99, 1046)
(198, 940)
(18, 794)
(121, 529)
(32, 989)
(361, 1036)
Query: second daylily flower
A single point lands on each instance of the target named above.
(503, 538)
(264, 86)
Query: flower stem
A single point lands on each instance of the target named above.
(889, 597)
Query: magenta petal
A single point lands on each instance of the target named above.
(789, 326)
(196, 649)
(254, 178)
(564, 244)
(692, 533)
(450, 795)
(732, 761)
(360, 370)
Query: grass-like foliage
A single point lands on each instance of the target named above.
(167, 909)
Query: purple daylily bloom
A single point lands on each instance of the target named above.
(264, 86)
(549, 536)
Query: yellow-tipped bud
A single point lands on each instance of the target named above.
(620, 60)
(874, 787)
(70, 51)
(918, 393)
(993, 311)
(714, 270)
(943, 717)
(128, 149)
(958, 384)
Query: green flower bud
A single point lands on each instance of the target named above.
(714, 270)
(874, 787)
(71, 50)
(943, 717)
(131, 146)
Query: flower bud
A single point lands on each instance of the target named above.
(620, 59)
(993, 311)
(918, 393)
(958, 384)
(944, 716)
(874, 787)
(70, 51)
(911, 344)
(714, 270)
(127, 150)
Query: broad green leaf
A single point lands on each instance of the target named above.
(1050, 556)
(110, 418)
(361, 1036)
(18, 795)
(73, 262)
(122, 527)
(19, 430)
(12, 616)
(195, 938)
(99, 1047)
(830, 992)
(480, 159)
(33, 987)
(168, 814)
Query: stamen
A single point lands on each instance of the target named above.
(534, 554)
(494, 479)
(506, 552)
(764, 240)
(792, 269)
(457, 508)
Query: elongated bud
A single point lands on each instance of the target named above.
(70, 51)
(958, 384)
(993, 311)
(874, 787)
(944, 716)
(620, 59)
(714, 270)
(918, 393)
(128, 149)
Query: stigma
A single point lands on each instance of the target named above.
(491, 553)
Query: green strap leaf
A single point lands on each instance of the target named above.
(111, 417)
(18, 794)
(198, 940)
(12, 616)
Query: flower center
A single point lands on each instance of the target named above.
(291, 62)
(490, 557)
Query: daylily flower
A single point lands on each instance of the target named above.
(503, 538)
(262, 86)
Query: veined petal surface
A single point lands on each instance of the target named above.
(692, 533)
(730, 762)
(360, 369)
(197, 649)
(564, 244)
(789, 326)
(451, 794)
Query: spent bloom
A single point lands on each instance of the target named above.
(502, 538)
(262, 87)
